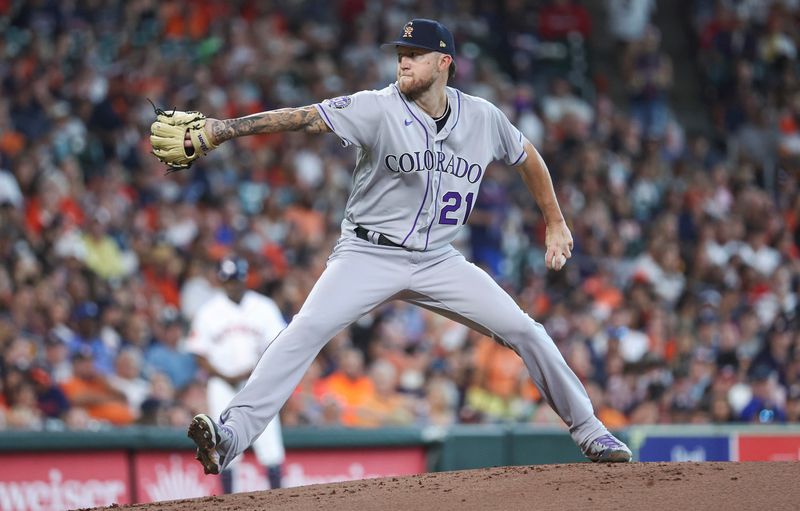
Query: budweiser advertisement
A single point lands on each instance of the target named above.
(305, 467)
(74, 479)
(163, 475)
(171, 475)
(63, 480)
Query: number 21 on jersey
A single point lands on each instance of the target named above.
(452, 203)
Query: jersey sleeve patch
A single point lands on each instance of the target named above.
(340, 103)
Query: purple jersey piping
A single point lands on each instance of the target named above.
(523, 150)
(428, 181)
(458, 115)
(436, 199)
(328, 120)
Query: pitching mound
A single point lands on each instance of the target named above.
(648, 486)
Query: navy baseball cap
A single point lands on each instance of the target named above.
(232, 268)
(427, 35)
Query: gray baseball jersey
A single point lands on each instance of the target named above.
(412, 184)
(416, 187)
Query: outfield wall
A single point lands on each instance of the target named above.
(55, 471)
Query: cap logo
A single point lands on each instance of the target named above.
(442, 45)
(408, 29)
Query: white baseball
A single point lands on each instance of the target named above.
(558, 262)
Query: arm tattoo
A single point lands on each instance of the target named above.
(305, 118)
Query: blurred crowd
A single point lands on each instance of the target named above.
(679, 304)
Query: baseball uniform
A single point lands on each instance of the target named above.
(232, 337)
(414, 186)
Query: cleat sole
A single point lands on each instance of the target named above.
(203, 437)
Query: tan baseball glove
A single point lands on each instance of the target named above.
(167, 134)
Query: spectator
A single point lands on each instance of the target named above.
(763, 407)
(385, 406)
(52, 402)
(127, 379)
(487, 223)
(441, 402)
(349, 386)
(86, 336)
(103, 255)
(166, 355)
(56, 359)
(648, 71)
(89, 389)
(499, 380)
(23, 411)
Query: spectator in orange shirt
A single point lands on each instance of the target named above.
(498, 369)
(90, 390)
(384, 406)
(500, 382)
(349, 386)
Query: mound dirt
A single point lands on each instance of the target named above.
(640, 486)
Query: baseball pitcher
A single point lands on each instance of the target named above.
(422, 149)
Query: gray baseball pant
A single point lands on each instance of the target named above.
(359, 277)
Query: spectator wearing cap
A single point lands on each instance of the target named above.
(51, 399)
(86, 335)
(764, 406)
(55, 359)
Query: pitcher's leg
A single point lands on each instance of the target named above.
(356, 280)
(460, 290)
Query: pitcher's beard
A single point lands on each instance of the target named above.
(416, 89)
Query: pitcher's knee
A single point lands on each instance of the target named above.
(312, 328)
(524, 332)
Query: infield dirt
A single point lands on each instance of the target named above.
(597, 487)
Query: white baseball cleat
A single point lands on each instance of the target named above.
(607, 448)
(205, 433)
